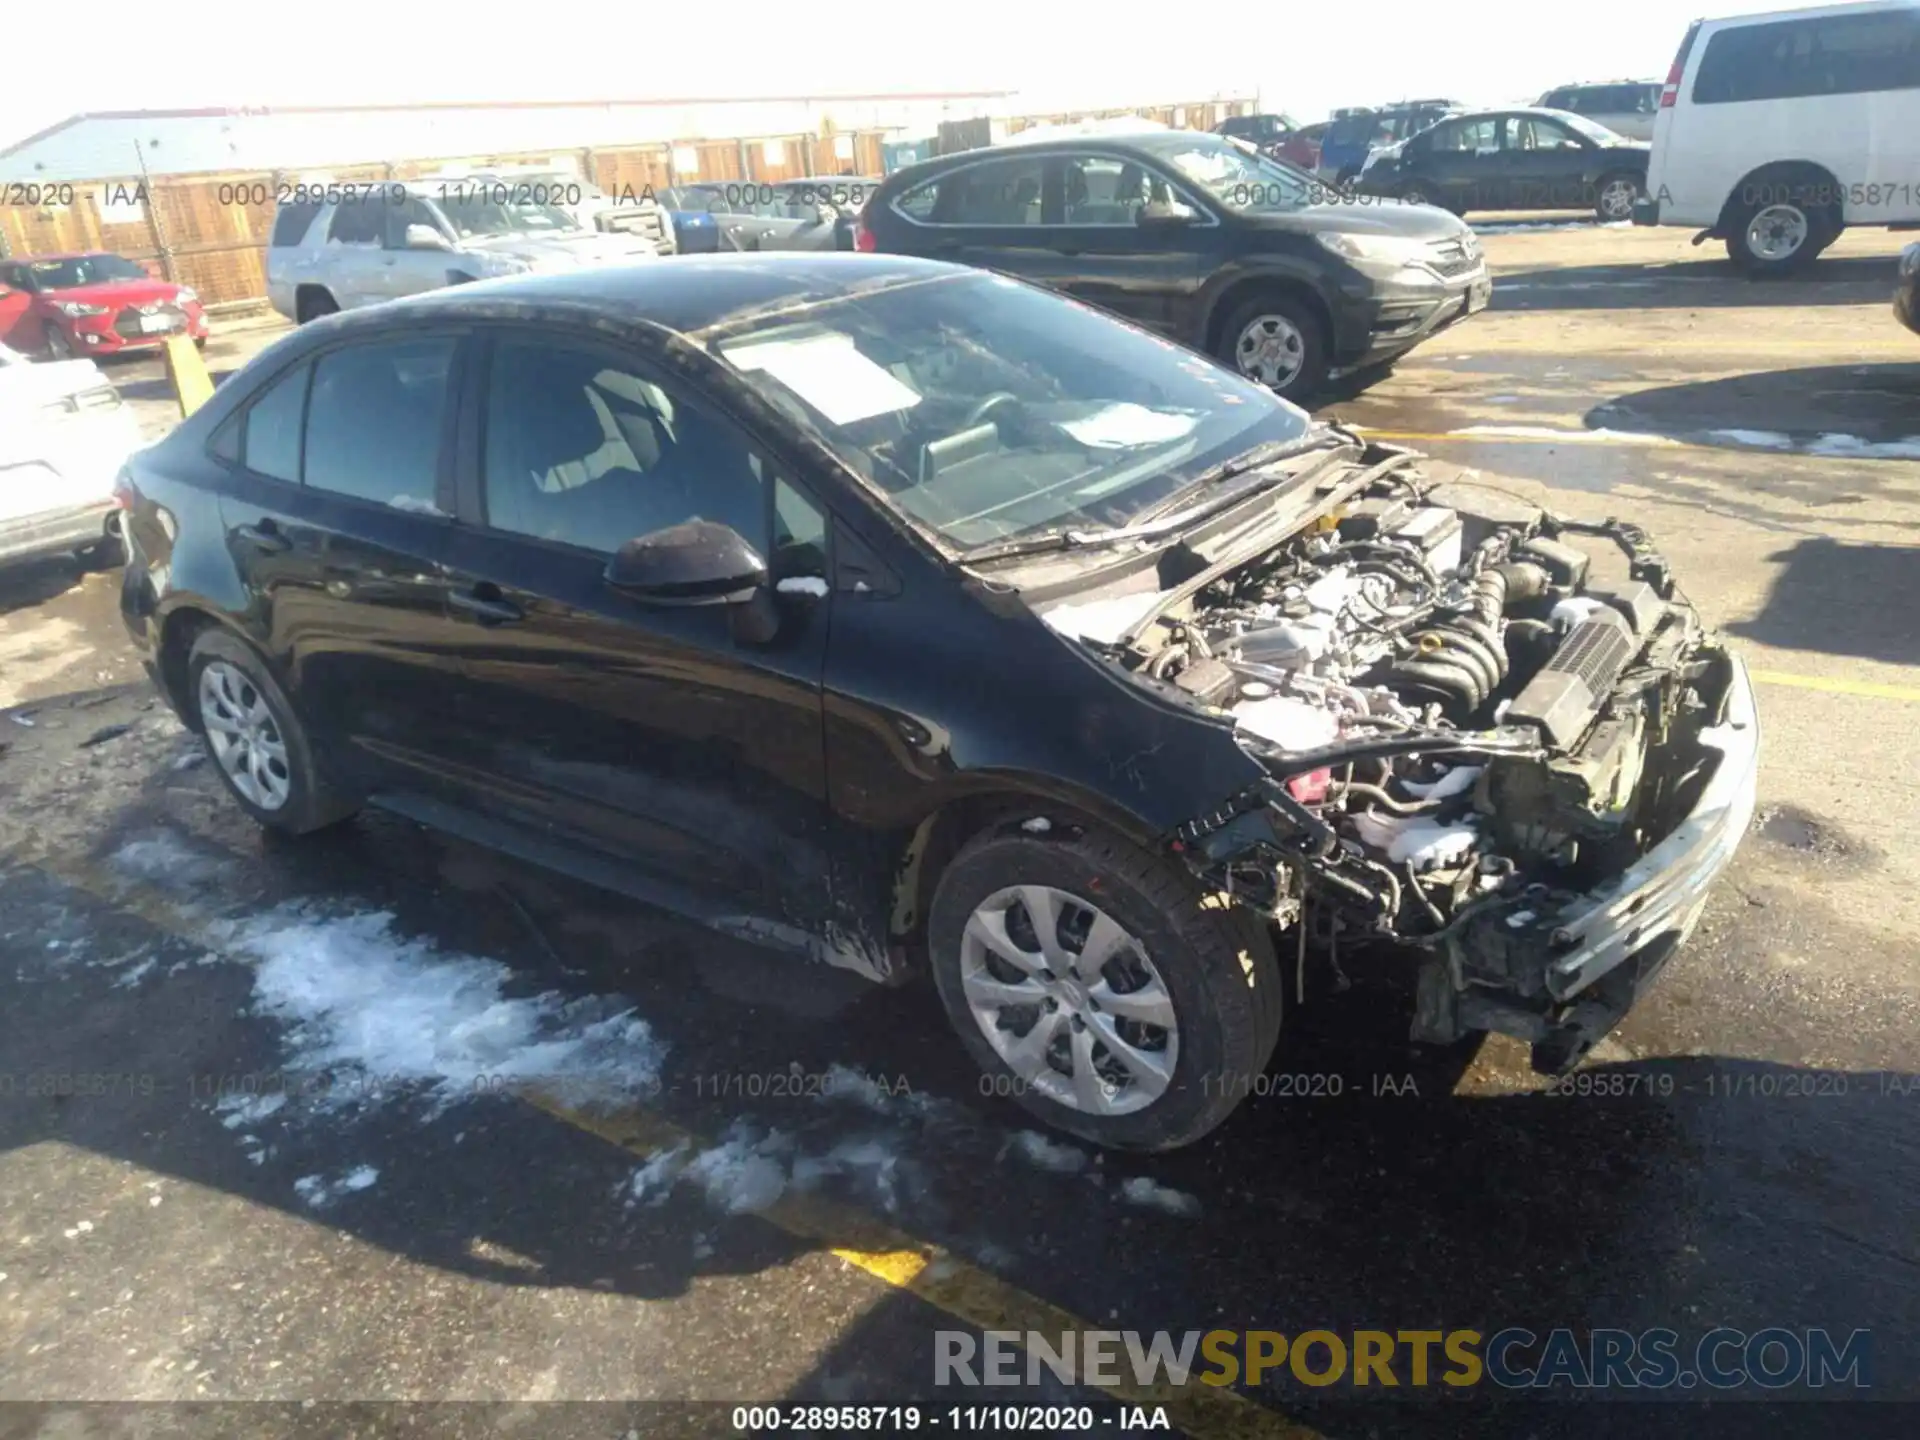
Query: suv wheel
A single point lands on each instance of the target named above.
(1097, 987)
(256, 739)
(1277, 341)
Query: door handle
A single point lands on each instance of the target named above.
(265, 536)
(487, 609)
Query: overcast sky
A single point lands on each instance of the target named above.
(1304, 59)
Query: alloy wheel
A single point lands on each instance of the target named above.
(1271, 350)
(1616, 199)
(1069, 999)
(246, 739)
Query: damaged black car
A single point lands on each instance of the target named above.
(930, 625)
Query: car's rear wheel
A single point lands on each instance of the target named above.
(1778, 236)
(1278, 341)
(1614, 197)
(312, 303)
(1099, 988)
(256, 739)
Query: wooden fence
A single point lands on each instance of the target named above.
(210, 231)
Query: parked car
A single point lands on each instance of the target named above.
(1200, 239)
(64, 434)
(1513, 160)
(339, 247)
(1778, 131)
(1356, 134)
(1906, 299)
(805, 214)
(92, 303)
(696, 224)
(1278, 136)
(629, 210)
(711, 597)
(1626, 107)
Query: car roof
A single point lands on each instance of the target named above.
(688, 295)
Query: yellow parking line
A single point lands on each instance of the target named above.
(1866, 689)
(972, 1295)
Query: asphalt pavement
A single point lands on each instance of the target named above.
(378, 1119)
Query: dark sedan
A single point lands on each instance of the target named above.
(1526, 159)
(809, 214)
(908, 618)
(1189, 234)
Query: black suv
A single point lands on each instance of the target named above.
(1189, 234)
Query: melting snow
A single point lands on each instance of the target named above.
(1766, 439)
(1149, 1193)
(368, 1008)
(749, 1170)
(1565, 437)
(319, 1192)
(1044, 1154)
(1853, 447)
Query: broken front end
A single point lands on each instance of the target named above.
(1490, 734)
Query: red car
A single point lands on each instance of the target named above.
(63, 306)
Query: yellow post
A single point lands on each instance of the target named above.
(187, 372)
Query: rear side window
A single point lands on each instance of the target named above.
(1831, 55)
(1560, 100)
(374, 421)
(998, 192)
(357, 222)
(294, 219)
(272, 438)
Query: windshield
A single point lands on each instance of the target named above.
(472, 216)
(1235, 176)
(84, 270)
(985, 409)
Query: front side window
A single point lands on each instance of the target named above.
(374, 421)
(982, 408)
(478, 213)
(1534, 132)
(1105, 191)
(400, 216)
(583, 450)
(1234, 177)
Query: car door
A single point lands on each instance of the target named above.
(990, 214)
(337, 513)
(1149, 272)
(643, 732)
(1543, 163)
(1461, 159)
(350, 262)
(403, 271)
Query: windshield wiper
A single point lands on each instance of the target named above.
(1181, 510)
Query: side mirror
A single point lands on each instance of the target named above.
(695, 563)
(1165, 214)
(425, 237)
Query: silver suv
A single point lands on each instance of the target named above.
(339, 245)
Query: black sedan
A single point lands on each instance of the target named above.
(911, 619)
(1528, 159)
(1231, 252)
(810, 214)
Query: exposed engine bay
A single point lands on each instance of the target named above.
(1473, 729)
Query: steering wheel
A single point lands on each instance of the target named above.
(987, 406)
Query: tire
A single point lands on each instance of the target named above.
(1213, 966)
(312, 305)
(220, 665)
(59, 347)
(1780, 231)
(109, 552)
(1416, 194)
(1292, 325)
(1614, 196)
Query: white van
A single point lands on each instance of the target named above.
(1778, 131)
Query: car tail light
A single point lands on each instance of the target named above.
(863, 239)
(1670, 92)
(1310, 788)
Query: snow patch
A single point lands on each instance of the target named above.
(320, 1192)
(163, 857)
(369, 1009)
(1564, 437)
(749, 1170)
(1152, 1195)
(1854, 448)
(237, 1110)
(1764, 439)
(1050, 1155)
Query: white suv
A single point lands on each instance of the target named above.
(342, 245)
(1777, 131)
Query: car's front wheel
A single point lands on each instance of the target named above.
(257, 741)
(1100, 988)
(59, 347)
(1277, 341)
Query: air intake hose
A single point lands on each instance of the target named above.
(1461, 658)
